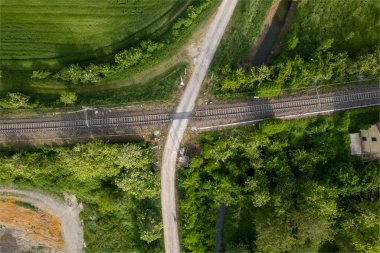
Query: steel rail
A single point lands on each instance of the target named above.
(38, 124)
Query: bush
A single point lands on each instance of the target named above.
(68, 98)
(40, 74)
(15, 101)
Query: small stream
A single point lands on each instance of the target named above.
(220, 227)
(272, 35)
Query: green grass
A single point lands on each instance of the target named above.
(160, 89)
(42, 32)
(26, 205)
(123, 86)
(245, 27)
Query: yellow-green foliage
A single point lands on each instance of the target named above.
(117, 184)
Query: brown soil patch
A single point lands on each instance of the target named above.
(36, 224)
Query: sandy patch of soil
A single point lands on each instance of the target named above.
(27, 227)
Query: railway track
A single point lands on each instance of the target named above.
(369, 97)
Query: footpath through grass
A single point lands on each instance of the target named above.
(117, 184)
(289, 186)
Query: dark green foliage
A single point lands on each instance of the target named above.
(289, 186)
(352, 25)
(323, 68)
(329, 42)
(192, 13)
(117, 217)
(15, 101)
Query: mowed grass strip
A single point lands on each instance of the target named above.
(48, 29)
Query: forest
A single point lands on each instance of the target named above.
(117, 184)
(289, 186)
(328, 42)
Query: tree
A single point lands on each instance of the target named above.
(92, 162)
(68, 98)
(274, 234)
(15, 101)
(363, 227)
(137, 177)
(292, 42)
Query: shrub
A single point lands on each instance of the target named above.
(40, 74)
(68, 98)
(15, 101)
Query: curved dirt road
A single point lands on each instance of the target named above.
(72, 231)
(178, 126)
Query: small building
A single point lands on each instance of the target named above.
(366, 143)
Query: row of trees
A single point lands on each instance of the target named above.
(191, 15)
(288, 186)
(19, 100)
(95, 73)
(117, 184)
(323, 67)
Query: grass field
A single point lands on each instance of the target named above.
(54, 32)
(145, 81)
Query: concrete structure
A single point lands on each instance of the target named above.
(366, 143)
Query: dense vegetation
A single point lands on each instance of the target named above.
(329, 42)
(352, 25)
(296, 72)
(45, 32)
(289, 186)
(118, 185)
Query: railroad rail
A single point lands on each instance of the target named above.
(368, 97)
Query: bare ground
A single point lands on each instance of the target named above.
(72, 231)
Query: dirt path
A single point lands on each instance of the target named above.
(72, 231)
(202, 62)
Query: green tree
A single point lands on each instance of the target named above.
(274, 234)
(68, 98)
(15, 101)
(363, 227)
(138, 178)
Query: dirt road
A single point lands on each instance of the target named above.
(72, 231)
(178, 126)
